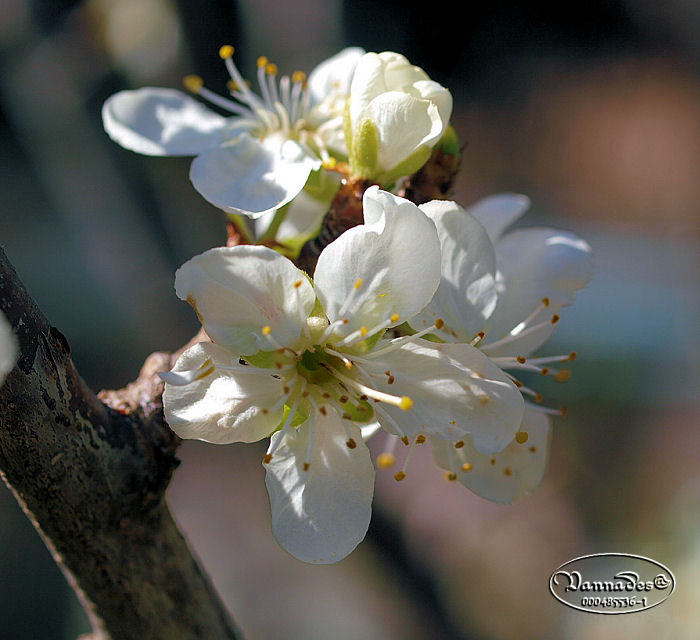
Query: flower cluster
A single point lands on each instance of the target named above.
(414, 324)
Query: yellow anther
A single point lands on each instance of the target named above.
(521, 359)
(420, 438)
(545, 371)
(507, 471)
(439, 323)
(351, 444)
(226, 51)
(538, 397)
(262, 62)
(450, 476)
(193, 83)
(267, 458)
(297, 284)
(394, 317)
(521, 437)
(517, 383)
(267, 330)
(386, 460)
(555, 318)
(493, 462)
(299, 76)
(572, 356)
(459, 444)
(406, 403)
(358, 283)
(363, 331)
(545, 302)
(232, 86)
(323, 410)
(533, 449)
(399, 476)
(271, 69)
(562, 376)
(348, 364)
(330, 164)
(467, 466)
(405, 440)
(265, 411)
(306, 466)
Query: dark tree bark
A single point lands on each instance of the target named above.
(91, 476)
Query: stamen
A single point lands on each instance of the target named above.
(521, 437)
(226, 51)
(397, 343)
(477, 338)
(262, 82)
(520, 326)
(563, 375)
(512, 337)
(283, 431)
(386, 460)
(193, 83)
(183, 378)
(402, 402)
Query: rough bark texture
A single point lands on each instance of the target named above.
(92, 477)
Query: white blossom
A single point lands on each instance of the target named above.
(503, 293)
(395, 115)
(305, 364)
(257, 160)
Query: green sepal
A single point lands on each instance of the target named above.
(364, 150)
(406, 167)
(449, 143)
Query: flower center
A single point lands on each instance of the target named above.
(281, 106)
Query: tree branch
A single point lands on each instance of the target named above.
(91, 477)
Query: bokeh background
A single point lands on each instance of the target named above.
(590, 108)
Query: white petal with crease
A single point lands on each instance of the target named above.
(396, 254)
(253, 177)
(455, 390)
(237, 291)
(322, 514)
(222, 406)
(467, 293)
(503, 477)
(496, 213)
(161, 122)
(533, 264)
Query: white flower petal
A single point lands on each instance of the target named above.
(322, 514)
(439, 95)
(219, 405)
(399, 72)
(455, 390)
(334, 75)
(161, 122)
(404, 124)
(534, 264)
(496, 213)
(508, 475)
(367, 83)
(8, 348)
(467, 293)
(237, 291)
(253, 177)
(396, 256)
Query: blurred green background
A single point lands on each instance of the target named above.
(592, 109)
